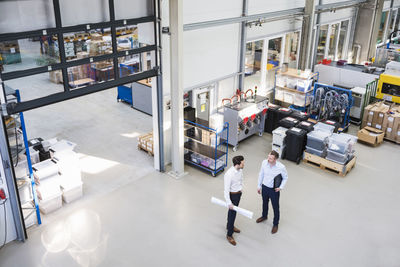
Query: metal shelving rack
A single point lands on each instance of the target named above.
(294, 74)
(205, 147)
(30, 205)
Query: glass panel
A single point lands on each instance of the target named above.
(146, 33)
(392, 22)
(29, 53)
(382, 27)
(333, 38)
(128, 9)
(127, 38)
(136, 63)
(342, 39)
(36, 86)
(253, 64)
(323, 31)
(88, 74)
(273, 60)
(75, 12)
(26, 15)
(397, 22)
(291, 49)
(91, 43)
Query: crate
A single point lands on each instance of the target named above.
(145, 143)
(324, 164)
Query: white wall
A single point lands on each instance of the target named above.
(205, 10)
(342, 14)
(266, 6)
(210, 53)
(272, 28)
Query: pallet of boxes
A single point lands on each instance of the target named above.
(58, 179)
(145, 143)
(380, 121)
(330, 151)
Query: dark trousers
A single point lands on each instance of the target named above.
(235, 198)
(267, 194)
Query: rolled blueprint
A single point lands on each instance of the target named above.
(241, 211)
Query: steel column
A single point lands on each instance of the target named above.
(243, 38)
(176, 30)
(306, 34)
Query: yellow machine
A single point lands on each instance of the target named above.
(389, 88)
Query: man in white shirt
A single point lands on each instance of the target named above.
(233, 184)
(270, 168)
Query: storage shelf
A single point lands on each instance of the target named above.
(204, 167)
(294, 74)
(204, 150)
(294, 90)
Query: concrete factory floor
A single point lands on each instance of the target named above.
(131, 215)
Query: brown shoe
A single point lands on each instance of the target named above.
(236, 230)
(261, 219)
(274, 229)
(231, 240)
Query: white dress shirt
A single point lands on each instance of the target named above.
(233, 182)
(268, 173)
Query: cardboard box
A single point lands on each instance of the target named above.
(96, 37)
(390, 122)
(371, 136)
(379, 112)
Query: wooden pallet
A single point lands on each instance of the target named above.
(324, 164)
(391, 140)
(145, 143)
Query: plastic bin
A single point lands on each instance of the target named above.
(332, 123)
(305, 125)
(295, 143)
(281, 80)
(72, 193)
(318, 139)
(319, 153)
(291, 83)
(324, 127)
(279, 94)
(48, 188)
(51, 204)
(278, 136)
(34, 155)
(283, 113)
(341, 143)
(288, 97)
(298, 115)
(278, 149)
(288, 122)
(337, 157)
(303, 85)
(271, 118)
(45, 169)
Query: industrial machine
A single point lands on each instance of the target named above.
(245, 118)
(389, 87)
(356, 111)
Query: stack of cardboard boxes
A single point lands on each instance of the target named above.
(385, 117)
